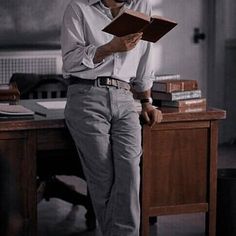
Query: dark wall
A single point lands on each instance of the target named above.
(29, 23)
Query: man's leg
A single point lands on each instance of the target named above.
(124, 207)
(106, 130)
(88, 115)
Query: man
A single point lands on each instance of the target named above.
(100, 111)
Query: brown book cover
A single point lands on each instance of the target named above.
(130, 22)
(189, 103)
(9, 92)
(169, 86)
(176, 96)
(182, 109)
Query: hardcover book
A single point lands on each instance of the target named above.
(175, 96)
(130, 22)
(14, 110)
(169, 86)
(9, 93)
(183, 109)
(161, 77)
(190, 103)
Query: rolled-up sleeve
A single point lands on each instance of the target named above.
(145, 71)
(76, 55)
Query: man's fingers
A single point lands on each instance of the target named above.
(137, 39)
(155, 117)
(125, 43)
(159, 116)
(146, 117)
(134, 42)
(132, 37)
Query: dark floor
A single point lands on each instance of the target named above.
(58, 218)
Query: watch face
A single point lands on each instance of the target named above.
(150, 100)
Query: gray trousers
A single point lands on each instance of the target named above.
(105, 127)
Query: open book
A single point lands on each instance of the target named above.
(129, 22)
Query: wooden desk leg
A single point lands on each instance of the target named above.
(19, 147)
(145, 183)
(211, 215)
(32, 185)
(145, 225)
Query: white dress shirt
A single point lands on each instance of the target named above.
(82, 34)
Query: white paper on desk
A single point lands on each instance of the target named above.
(53, 105)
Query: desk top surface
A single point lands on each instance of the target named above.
(54, 118)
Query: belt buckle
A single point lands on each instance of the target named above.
(104, 82)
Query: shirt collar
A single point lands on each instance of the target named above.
(91, 2)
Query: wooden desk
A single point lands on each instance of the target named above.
(178, 168)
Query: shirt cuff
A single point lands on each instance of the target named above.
(142, 85)
(89, 53)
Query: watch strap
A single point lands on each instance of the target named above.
(146, 100)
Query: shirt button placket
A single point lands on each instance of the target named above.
(116, 63)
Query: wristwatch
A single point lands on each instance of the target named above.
(146, 100)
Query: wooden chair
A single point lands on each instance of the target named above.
(54, 163)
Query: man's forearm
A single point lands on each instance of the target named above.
(142, 95)
(102, 52)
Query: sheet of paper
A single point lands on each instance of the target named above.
(53, 105)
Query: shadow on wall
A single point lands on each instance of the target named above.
(23, 22)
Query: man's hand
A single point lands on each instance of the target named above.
(150, 114)
(125, 43)
(117, 44)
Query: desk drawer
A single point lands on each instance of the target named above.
(54, 139)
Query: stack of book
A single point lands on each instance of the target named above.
(8, 112)
(9, 93)
(178, 94)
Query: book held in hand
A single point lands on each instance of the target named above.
(130, 22)
(169, 86)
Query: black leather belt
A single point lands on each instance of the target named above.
(101, 81)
